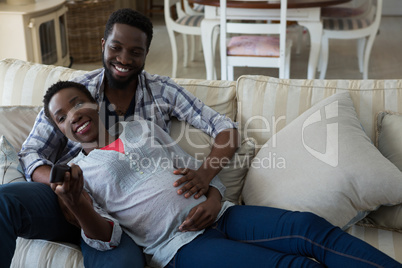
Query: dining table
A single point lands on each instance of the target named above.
(306, 13)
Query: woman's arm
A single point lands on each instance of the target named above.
(204, 214)
(71, 192)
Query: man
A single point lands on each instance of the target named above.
(124, 92)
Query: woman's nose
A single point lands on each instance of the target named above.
(74, 116)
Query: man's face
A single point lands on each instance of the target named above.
(124, 53)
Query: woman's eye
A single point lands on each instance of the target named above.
(61, 119)
(78, 105)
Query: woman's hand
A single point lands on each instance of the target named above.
(70, 191)
(204, 214)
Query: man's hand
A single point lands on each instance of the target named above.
(204, 214)
(195, 182)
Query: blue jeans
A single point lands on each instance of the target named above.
(250, 236)
(31, 210)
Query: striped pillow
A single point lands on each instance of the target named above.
(267, 104)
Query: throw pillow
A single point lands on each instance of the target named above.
(323, 162)
(389, 142)
(16, 122)
(9, 163)
(198, 144)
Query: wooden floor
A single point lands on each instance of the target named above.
(385, 60)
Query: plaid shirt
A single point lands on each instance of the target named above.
(158, 98)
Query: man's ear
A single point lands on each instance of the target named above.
(103, 41)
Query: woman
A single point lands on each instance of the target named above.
(129, 176)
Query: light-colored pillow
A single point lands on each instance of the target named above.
(16, 122)
(389, 136)
(389, 142)
(10, 170)
(198, 144)
(323, 162)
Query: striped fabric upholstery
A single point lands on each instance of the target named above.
(388, 242)
(46, 254)
(348, 23)
(23, 83)
(194, 20)
(268, 104)
(219, 95)
(198, 8)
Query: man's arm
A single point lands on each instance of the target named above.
(44, 146)
(41, 174)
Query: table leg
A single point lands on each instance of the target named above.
(315, 30)
(207, 28)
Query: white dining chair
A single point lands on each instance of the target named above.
(254, 43)
(185, 24)
(356, 23)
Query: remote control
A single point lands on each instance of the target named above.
(57, 173)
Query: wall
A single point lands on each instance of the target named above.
(392, 7)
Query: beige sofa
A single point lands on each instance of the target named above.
(262, 106)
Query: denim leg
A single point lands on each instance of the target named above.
(30, 210)
(300, 233)
(214, 249)
(127, 254)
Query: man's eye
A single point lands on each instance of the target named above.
(137, 53)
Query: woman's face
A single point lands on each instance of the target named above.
(75, 115)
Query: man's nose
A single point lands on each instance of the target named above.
(124, 58)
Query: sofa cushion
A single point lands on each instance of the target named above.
(46, 254)
(16, 123)
(386, 241)
(25, 83)
(323, 162)
(267, 104)
(10, 169)
(389, 142)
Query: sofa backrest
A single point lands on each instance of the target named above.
(25, 83)
(267, 104)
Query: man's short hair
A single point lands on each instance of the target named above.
(133, 18)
